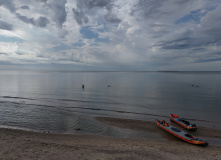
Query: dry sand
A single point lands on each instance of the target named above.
(16, 144)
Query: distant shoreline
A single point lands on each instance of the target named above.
(88, 71)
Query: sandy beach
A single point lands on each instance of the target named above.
(17, 144)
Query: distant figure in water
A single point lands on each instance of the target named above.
(108, 85)
(195, 86)
(82, 86)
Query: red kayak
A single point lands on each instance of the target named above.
(181, 134)
(182, 122)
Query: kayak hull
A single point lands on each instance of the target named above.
(182, 135)
(181, 122)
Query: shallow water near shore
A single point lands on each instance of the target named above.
(54, 101)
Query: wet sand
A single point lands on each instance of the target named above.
(16, 144)
(150, 126)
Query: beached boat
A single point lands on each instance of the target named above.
(183, 122)
(181, 134)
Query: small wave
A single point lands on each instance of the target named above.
(88, 108)
(64, 108)
(68, 100)
(18, 98)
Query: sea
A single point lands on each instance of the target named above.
(55, 102)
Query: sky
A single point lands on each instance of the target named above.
(111, 35)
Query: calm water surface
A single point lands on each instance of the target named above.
(54, 101)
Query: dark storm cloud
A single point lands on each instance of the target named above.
(109, 17)
(208, 60)
(213, 35)
(208, 34)
(25, 7)
(212, 57)
(146, 8)
(40, 22)
(79, 16)
(192, 43)
(158, 25)
(89, 4)
(59, 13)
(153, 8)
(159, 29)
(43, 1)
(183, 40)
(25, 19)
(21, 53)
(180, 43)
(2, 53)
(84, 6)
(5, 62)
(198, 49)
(8, 4)
(61, 56)
(70, 60)
(6, 26)
(210, 26)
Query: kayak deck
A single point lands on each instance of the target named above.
(181, 134)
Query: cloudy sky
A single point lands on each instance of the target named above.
(111, 34)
